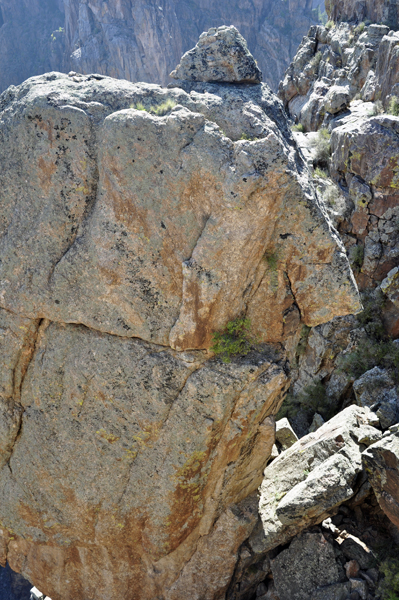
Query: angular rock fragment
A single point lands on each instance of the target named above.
(221, 55)
(376, 389)
(312, 477)
(308, 564)
(285, 435)
(382, 465)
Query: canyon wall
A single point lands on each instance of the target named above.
(139, 41)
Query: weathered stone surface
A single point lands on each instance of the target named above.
(285, 435)
(390, 285)
(17, 337)
(114, 424)
(308, 564)
(337, 99)
(377, 389)
(221, 55)
(364, 157)
(335, 591)
(330, 68)
(382, 464)
(113, 258)
(312, 477)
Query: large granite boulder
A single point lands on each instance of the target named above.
(221, 55)
(134, 224)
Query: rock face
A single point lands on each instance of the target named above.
(139, 41)
(378, 11)
(221, 55)
(132, 228)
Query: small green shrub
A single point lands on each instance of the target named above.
(358, 258)
(303, 340)
(393, 107)
(160, 109)
(234, 340)
(245, 136)
(312, 399)
(163, 109)
(360, 28)
(138, 106)
(320, 173)
(377, 349)
(388, 588)
(298, 127)
(329, 25)
(315, 61)
(321, 148)
(272, 260)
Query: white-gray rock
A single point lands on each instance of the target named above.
(221, 55)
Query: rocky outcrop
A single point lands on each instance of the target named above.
(307, 482)
(377, 11)
(328, 478)
(221, 55)
(152, 218)
(139, 41)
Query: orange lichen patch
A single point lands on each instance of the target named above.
(78, 519)
(388, 176)
(382, 202)
(360, 219)
(47, 168)
(5, 536)
(268, 305)
(188, 499)
(109, 437)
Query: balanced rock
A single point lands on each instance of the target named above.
(134, 223)
(221, 55)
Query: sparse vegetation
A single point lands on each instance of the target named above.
(388, 588)
(332, 194)
(303, 340)
(329, 25)
(321, 149)
(357, 258)
(245, 136)
(320, 173)
(376, 349)
(360, 28)
(298, 127)
(234, 340)
(393, 107)
(377, 109)
(315, 61)
(160, 110)
(312, 399)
